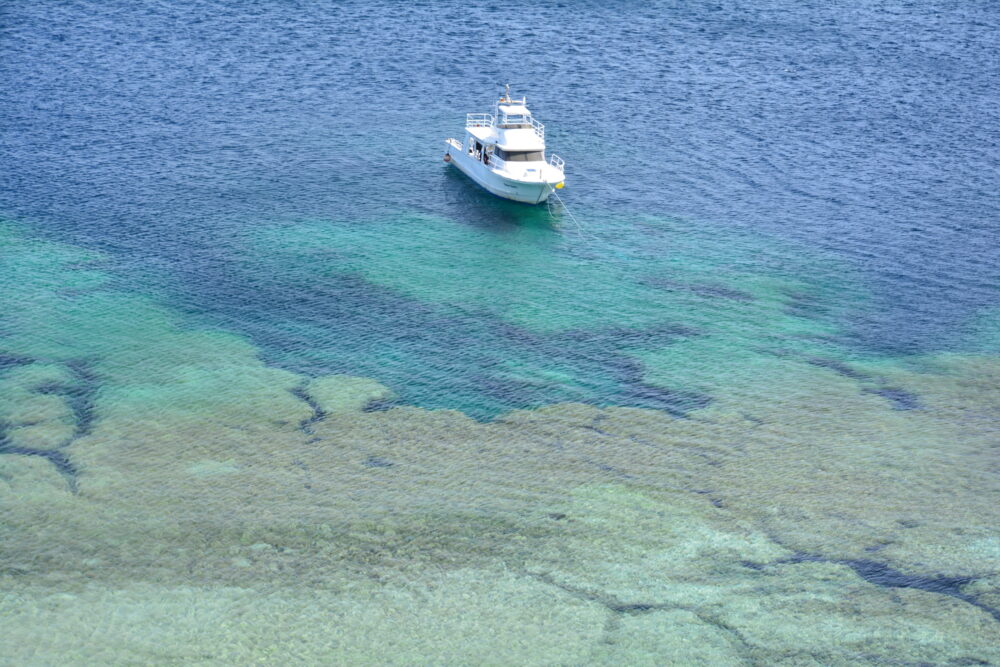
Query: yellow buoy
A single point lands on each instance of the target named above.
(560, 186)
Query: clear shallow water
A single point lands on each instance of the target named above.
(779, 316)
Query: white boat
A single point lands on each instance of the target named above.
(505, 153)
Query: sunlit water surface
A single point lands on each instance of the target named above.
(279, 386)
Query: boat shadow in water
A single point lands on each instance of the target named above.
(468, 203)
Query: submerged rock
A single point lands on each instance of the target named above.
(826, 465)
(35, 413)
(28, 479)
(639, 554)
(48, 435)
(336, 394)
(824, 612)
(458, 617)
(37, 376)
(986, 591)
(632, 549)
(670, 637)
(685, 525)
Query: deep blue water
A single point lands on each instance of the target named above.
(167, 134)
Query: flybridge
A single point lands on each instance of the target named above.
(506, 121)
(508, 114)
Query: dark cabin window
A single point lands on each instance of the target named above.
(520, 156)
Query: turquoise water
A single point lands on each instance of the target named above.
(277, 385)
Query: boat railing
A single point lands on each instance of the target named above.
(538, 128)
(505, 122)
(497, 162)
(478, 120)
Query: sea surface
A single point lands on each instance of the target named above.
(280, 386)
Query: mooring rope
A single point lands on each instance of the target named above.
(580, 228)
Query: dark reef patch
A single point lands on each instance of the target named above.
(617, 337)
(900, 398)
(8, 361)
(701, 289)
(318, 414)
(377, 462)
(380, 405)
(838, 367)
(467, 358)
(883, 575)
(80, 396)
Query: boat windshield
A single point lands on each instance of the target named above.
(520, 156)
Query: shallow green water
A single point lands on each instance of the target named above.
(173, 498)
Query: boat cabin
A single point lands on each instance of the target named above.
(510, 133)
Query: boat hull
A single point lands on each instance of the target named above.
(528, 192)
